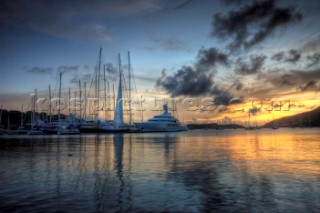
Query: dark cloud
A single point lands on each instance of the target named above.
(286, 80)
(313, 59)
(255, 65)
(303, 75)
(173, 44)
(86, 77)
(187, 81)
(195, 80)
(292, 56)
(278, 56)
(198, 79)
(221, 97)
(40, 70)
(209, 58)
(252, 23)
(238, 86)
(293, 79)
(67, 68)
(310, 86)
(111, 71)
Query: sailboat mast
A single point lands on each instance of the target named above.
(50, 107)
(34, 105)
(114, 98)
(35, 100)
(69, 101)
(141, 108)
(95, 92)
(59, 100)
(130, 106)
(33, 108)
(21, 120)
(309, 121)
(109, 98)
(80, 95)
(98, 82)
(105, 92)
(85, 100)
(118, 117)
(75, 103)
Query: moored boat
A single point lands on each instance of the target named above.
(164, 122)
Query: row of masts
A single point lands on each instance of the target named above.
(81, 100)
(97, 94)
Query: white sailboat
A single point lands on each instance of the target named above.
(21, 130)
(93, 125)
(36, 124)
(66, 127)
(118, 124)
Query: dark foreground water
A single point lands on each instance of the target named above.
(195, 171)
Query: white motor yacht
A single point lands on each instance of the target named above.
(164, 122)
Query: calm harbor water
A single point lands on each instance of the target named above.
(194, 171)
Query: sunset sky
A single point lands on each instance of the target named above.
(249, 51)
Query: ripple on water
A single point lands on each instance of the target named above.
(196, 171)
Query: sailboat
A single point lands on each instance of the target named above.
(118, 124)
(61, 127)
(249, 127)
(21, 129)
(66, 127)
(35, 125)
(93, 125)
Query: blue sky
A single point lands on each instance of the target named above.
(37, 37)
(158, 37)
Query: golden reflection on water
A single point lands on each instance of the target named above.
(271, 150)
(195, 171)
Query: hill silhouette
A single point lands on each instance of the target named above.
(305, 119)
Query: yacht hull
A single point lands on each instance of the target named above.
(156, 127)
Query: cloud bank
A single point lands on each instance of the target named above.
(252, 23)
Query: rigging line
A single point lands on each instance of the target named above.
(125, 88)
(140, 102)
(88, 94)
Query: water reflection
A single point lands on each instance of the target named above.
(197, 171)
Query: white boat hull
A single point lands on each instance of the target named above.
(159, 127)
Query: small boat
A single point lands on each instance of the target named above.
(35, 132)
(68, 130)
(112, 127)
(50, 128)
(91, 126)
(20, 131)
(164, 122)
